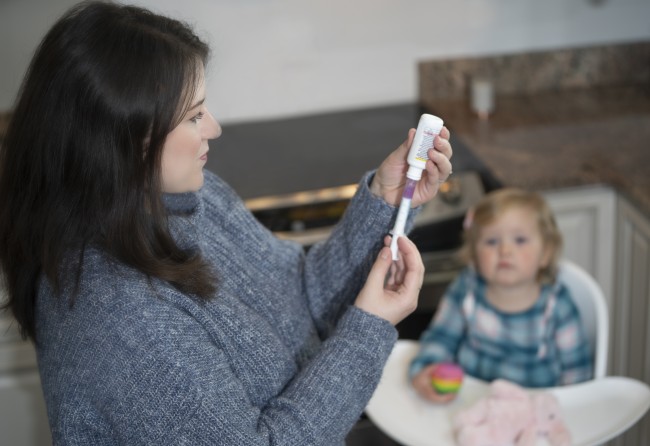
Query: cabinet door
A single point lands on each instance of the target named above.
(23, 418)
(631, 338)
(15, 353)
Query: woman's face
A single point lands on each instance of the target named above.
(185, 151)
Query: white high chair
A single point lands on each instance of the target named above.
(590, 300)
(595, 411)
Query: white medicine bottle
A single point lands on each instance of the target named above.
(428, 128)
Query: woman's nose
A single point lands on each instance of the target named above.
(211, 128)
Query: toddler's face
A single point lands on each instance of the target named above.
(510, 251)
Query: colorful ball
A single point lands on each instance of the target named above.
(446, 377)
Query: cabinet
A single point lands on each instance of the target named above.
(23, 418)
(610, 237)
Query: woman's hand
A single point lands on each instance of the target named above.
(390, 178)
(422, 385)
(392, 288)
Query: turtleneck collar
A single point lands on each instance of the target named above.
(181, 204)
(184, 210)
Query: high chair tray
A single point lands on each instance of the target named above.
(594, 411)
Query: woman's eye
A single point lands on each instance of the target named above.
(196, 118)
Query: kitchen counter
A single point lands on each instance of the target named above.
(561, 139)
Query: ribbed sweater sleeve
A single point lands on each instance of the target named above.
(336, 269)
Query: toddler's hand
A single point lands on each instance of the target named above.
(422, 384)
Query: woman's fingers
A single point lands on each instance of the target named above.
(413, 270)
(392, 288)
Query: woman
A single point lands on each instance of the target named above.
(161, 310)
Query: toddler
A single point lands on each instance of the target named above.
(506, 315)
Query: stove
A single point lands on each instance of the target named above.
(307, 217)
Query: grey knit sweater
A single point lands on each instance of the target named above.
(279, 356)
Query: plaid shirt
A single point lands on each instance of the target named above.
(543, 346)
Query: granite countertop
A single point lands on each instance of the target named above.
(561, 139)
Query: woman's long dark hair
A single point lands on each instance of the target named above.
(81, 162)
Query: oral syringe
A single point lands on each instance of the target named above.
(428, 128)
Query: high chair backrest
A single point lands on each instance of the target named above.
(592, 305)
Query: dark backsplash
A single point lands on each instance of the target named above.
(535, 72)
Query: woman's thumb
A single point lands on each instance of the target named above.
(381, 266)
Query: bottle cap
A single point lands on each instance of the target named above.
(414, 173)
(433, 122)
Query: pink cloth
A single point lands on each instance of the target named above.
(510, 415)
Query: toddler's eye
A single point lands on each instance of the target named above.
(491, 241)
(196, 118)
(521, 240)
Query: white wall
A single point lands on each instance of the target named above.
(275, 58)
